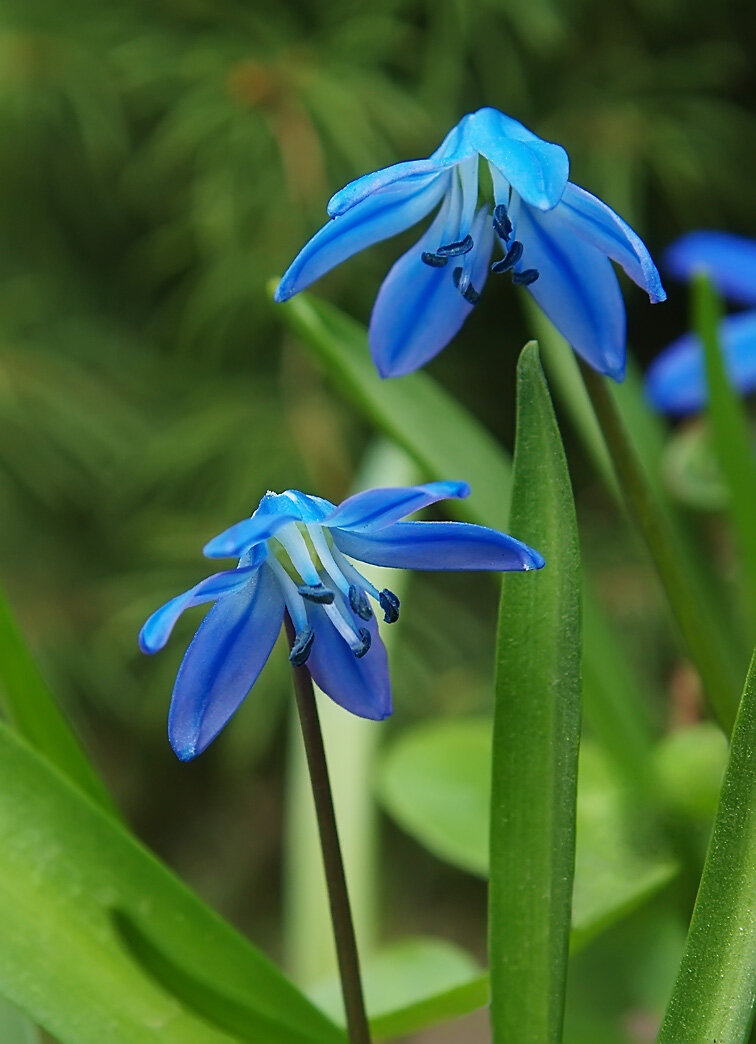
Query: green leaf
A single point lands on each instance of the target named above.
(15, 1028)
(414, 411)
(435, 781)
(102, 943)
(410, 984)
(536, 735)
(714, 994)
(690, 469)
(30, 708)
(730, 431)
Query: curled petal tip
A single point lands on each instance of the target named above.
(281, 293)
(535, 560)
(144, 643)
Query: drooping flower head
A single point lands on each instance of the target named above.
(294, 557)
(494, 184)
(676, 380)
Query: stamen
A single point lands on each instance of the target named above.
(318, 593)
(433, 260)
(354, 576)
(294, 603)
(464, 246)
(365, 640)
(510, 259)
(345, 627)
(501, 223)
(359, 603)
(300, 650)
(525, 278)
(465, 287)
(390, 605)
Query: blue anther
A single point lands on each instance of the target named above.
(501, 222)
(365, 639)
(433, 260)
(359, 602)
(526, 278)
(510, 259)
(317, 593)
(464, 246)
(300, 650)
(390, 605)
(469, 293)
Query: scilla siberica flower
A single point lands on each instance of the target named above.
(294, 557)
(555, 238)
(676, 380)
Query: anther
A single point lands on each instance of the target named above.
(318, 593)
(359, 602)
(365, 639)
(300, 650)
(525, 278)
(390, 605)
(510, 259)
(433, 260)
(469, 292)
(463, 246)
(501, 222)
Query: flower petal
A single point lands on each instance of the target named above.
(577, 288)
(157, 630)
(223, 662)
(377, 217)
(455, 147)
(676, 380)
(730, 261)
(594, 221)
(418, 309)
(362, 686)
(376, 508)
(250, 531)
(439, 545)
(536, 169)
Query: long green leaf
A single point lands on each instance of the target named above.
(714, 995)
(731, 431)
(536, 735)
(30, 708)
(102, 943)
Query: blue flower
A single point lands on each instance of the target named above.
(555, 238)
(676, 380)
(294, 557)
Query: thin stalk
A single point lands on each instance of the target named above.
(338, 896)
(685, 600)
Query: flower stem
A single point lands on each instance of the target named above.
(338, 896)
(686, 602)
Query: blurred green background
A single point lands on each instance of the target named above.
(159, 161)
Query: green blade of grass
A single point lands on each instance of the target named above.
(536, 736)
(713, 997)
(730, 430)
(30, 709)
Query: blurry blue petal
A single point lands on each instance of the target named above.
(157, 630)
(439, 545)
(377, 217)
(249, 531)
(456, 146)
(676, 380)
(577, 288)
(597, 223)
(730, 261)
(376, 508)
(418, 309)
(536, 169)
(222, 663)
(363, 685)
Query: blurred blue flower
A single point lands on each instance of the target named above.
(676, 380)
(294, 557)
(556, 239)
